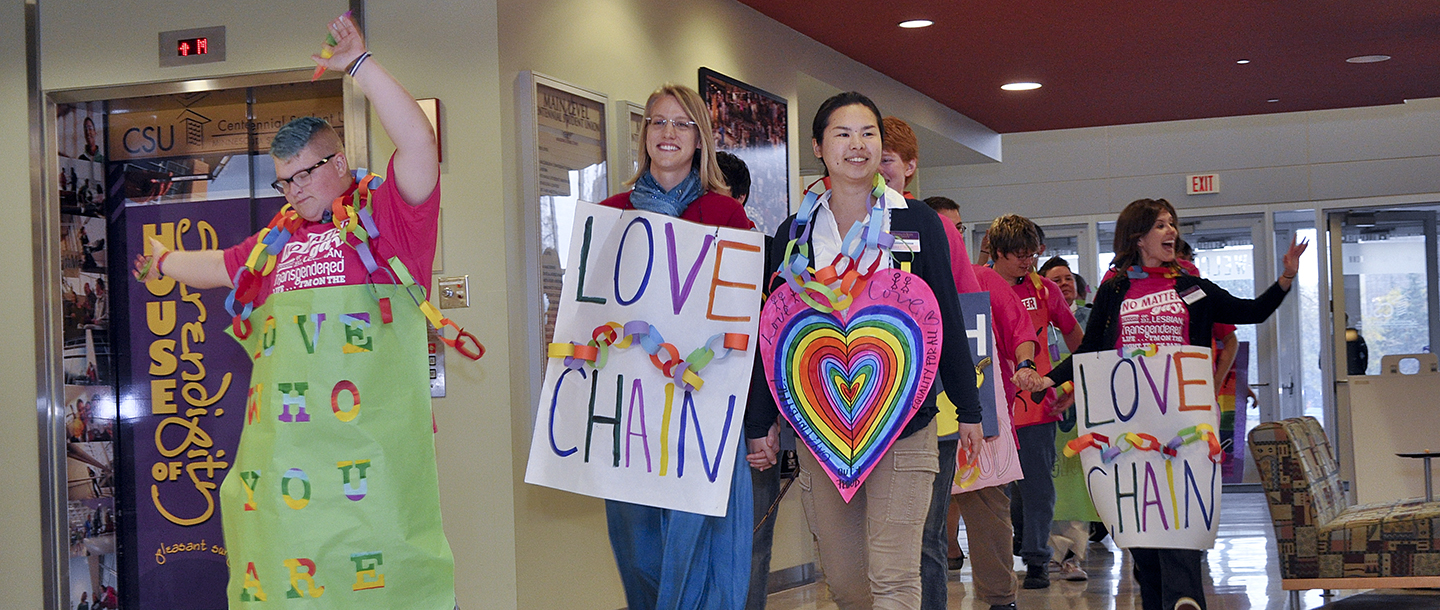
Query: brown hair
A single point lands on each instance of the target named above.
(711, 178)
(1013, 233)
(1135, 221)
(900, 139)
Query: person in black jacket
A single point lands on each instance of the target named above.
(1138, 307)
(870, 546)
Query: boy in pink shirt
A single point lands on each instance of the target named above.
(1014, 245)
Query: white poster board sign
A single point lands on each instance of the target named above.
(625, 430)
(1139, 403)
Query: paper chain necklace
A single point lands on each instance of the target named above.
(351, 215)
(833, 287)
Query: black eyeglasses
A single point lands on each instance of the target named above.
(300, 178)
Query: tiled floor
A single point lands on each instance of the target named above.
(1242, 573)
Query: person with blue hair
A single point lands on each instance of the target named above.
(349, 246)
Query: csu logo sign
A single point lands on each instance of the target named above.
(152, 139)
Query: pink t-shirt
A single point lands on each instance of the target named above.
(315, 257)
(1153, 312)
(1008, 318)
(960, 267)
(1054, 311)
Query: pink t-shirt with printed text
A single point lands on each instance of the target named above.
(315, 257)
(1153, 312)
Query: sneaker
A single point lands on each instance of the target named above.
(1071, 571)
(1054, 566)
(1186, 603)
(1036, 577)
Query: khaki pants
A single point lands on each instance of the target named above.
(987, 527)
(870, 547)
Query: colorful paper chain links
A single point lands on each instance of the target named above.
(830, 289)
(1145, 442)
(685, 372)
(353, 220)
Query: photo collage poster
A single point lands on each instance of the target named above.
(87, 367)
(753, 125)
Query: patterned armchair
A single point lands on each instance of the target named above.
(1325, 542)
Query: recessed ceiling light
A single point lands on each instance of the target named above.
(1242, 61)
(1020, 86)
(1273, 100)
(917, 23)
(1367, 59)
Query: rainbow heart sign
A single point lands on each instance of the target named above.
(850, 380)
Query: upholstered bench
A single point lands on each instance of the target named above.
(1323, 540)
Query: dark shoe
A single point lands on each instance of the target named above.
(1036, 577)
(956, 563)
(1009, 606)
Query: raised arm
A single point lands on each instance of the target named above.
(417, 164)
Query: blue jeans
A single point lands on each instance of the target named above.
(674, 560)
(934, 548)
(1034, 507)
(765, 488)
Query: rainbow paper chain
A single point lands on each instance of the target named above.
(830, 289)
(685, 372)
(1145, 442)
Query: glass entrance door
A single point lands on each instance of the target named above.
(1225, 253)
(1384, 297)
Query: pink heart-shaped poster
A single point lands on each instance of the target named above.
(850, 380)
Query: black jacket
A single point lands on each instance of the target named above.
(1103, 329)
(956, 371)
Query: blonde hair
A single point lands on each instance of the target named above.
(711, 178)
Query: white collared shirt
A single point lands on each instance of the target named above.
(826, 238)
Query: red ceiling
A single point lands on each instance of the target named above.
(1114, 62)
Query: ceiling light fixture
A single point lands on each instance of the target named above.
(1242, 61)
(1020, 86)
(1273, 100)
(1367, 59)
(916, 23)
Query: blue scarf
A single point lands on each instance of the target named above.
(649, 196)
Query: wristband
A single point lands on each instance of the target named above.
(355, 67)
(160, 262)
(1026, 364)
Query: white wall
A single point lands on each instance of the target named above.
(1267, 159)
(20, 478)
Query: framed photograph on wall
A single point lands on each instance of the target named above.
(753, 124)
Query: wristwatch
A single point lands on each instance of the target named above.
(1026, 364)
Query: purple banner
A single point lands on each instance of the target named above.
(183, 399)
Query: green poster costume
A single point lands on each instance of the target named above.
(335, 503)
(1072, 498)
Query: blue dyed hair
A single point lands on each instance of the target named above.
(296, 135)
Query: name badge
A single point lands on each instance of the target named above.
(1193, 295)
(906, 241)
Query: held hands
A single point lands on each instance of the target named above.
(1029, 380)
(763, 451)
(349, 45)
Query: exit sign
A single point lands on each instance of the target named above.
(1202, 184)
